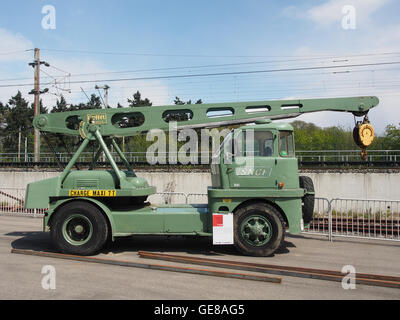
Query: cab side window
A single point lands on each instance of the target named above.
(286, 144)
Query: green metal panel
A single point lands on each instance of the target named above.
(173, 219)
(38, 193)
(240, 112)
(160, 219)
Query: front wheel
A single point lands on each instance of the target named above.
(79, 228)
(259, 229)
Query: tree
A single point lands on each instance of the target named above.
(61, 105)
(178, 101)
(3, 112)
(181, 115)
(311, 137)
(19, 116)
(134, 119)
(138, 102)
(4, 109)
(93, 103)
(391, 139)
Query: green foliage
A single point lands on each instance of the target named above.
(61, 106)
(391, 139)
(308, 136)
(178, 101)
(16, 117)
(138, 102)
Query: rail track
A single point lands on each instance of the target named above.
(207, 272)
(329, 275)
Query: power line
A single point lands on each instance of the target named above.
(209, 65)
(219, 73)
(205, 55)
(13, 52)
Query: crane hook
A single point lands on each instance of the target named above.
(363, 135)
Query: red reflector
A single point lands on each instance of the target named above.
(218, 220)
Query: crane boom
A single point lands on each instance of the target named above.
(121, 122)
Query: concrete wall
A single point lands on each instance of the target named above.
(370, 185)
(360, 185)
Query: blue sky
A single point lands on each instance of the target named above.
(248, 35)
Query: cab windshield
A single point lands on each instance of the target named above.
(263, 144)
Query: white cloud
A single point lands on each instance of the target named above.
(15, 66)
(10, 43)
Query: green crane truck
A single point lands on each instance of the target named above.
(261, 202)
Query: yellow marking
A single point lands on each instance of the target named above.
(92, 193)
(100, 118)
(82, 130)
(226, 200)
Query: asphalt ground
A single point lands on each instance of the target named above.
(21, 276)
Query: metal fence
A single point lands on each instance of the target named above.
(322, 208)
(354, 218)
(12, 201)
(389, 156)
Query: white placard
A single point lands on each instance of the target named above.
(222, 228)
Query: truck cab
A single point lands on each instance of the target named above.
(257, 156)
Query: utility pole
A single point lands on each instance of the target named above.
(19, 144)
(36, 91)
(106, 87)
(26, 149)
(105, 102)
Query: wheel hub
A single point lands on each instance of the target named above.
(256, 230)
(77, 229)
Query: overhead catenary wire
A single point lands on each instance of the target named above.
(293, 59)
(208, 55)
(171, 68)
(14, 52)
(219, 73)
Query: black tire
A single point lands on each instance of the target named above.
(79, 228)
(308, 200)
(273, 224)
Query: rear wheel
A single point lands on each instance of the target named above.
(259, 229)
(79, 228)
(309, 199)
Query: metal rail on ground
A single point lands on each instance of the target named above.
(320, 274)
(207, 272)
(311, 273)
